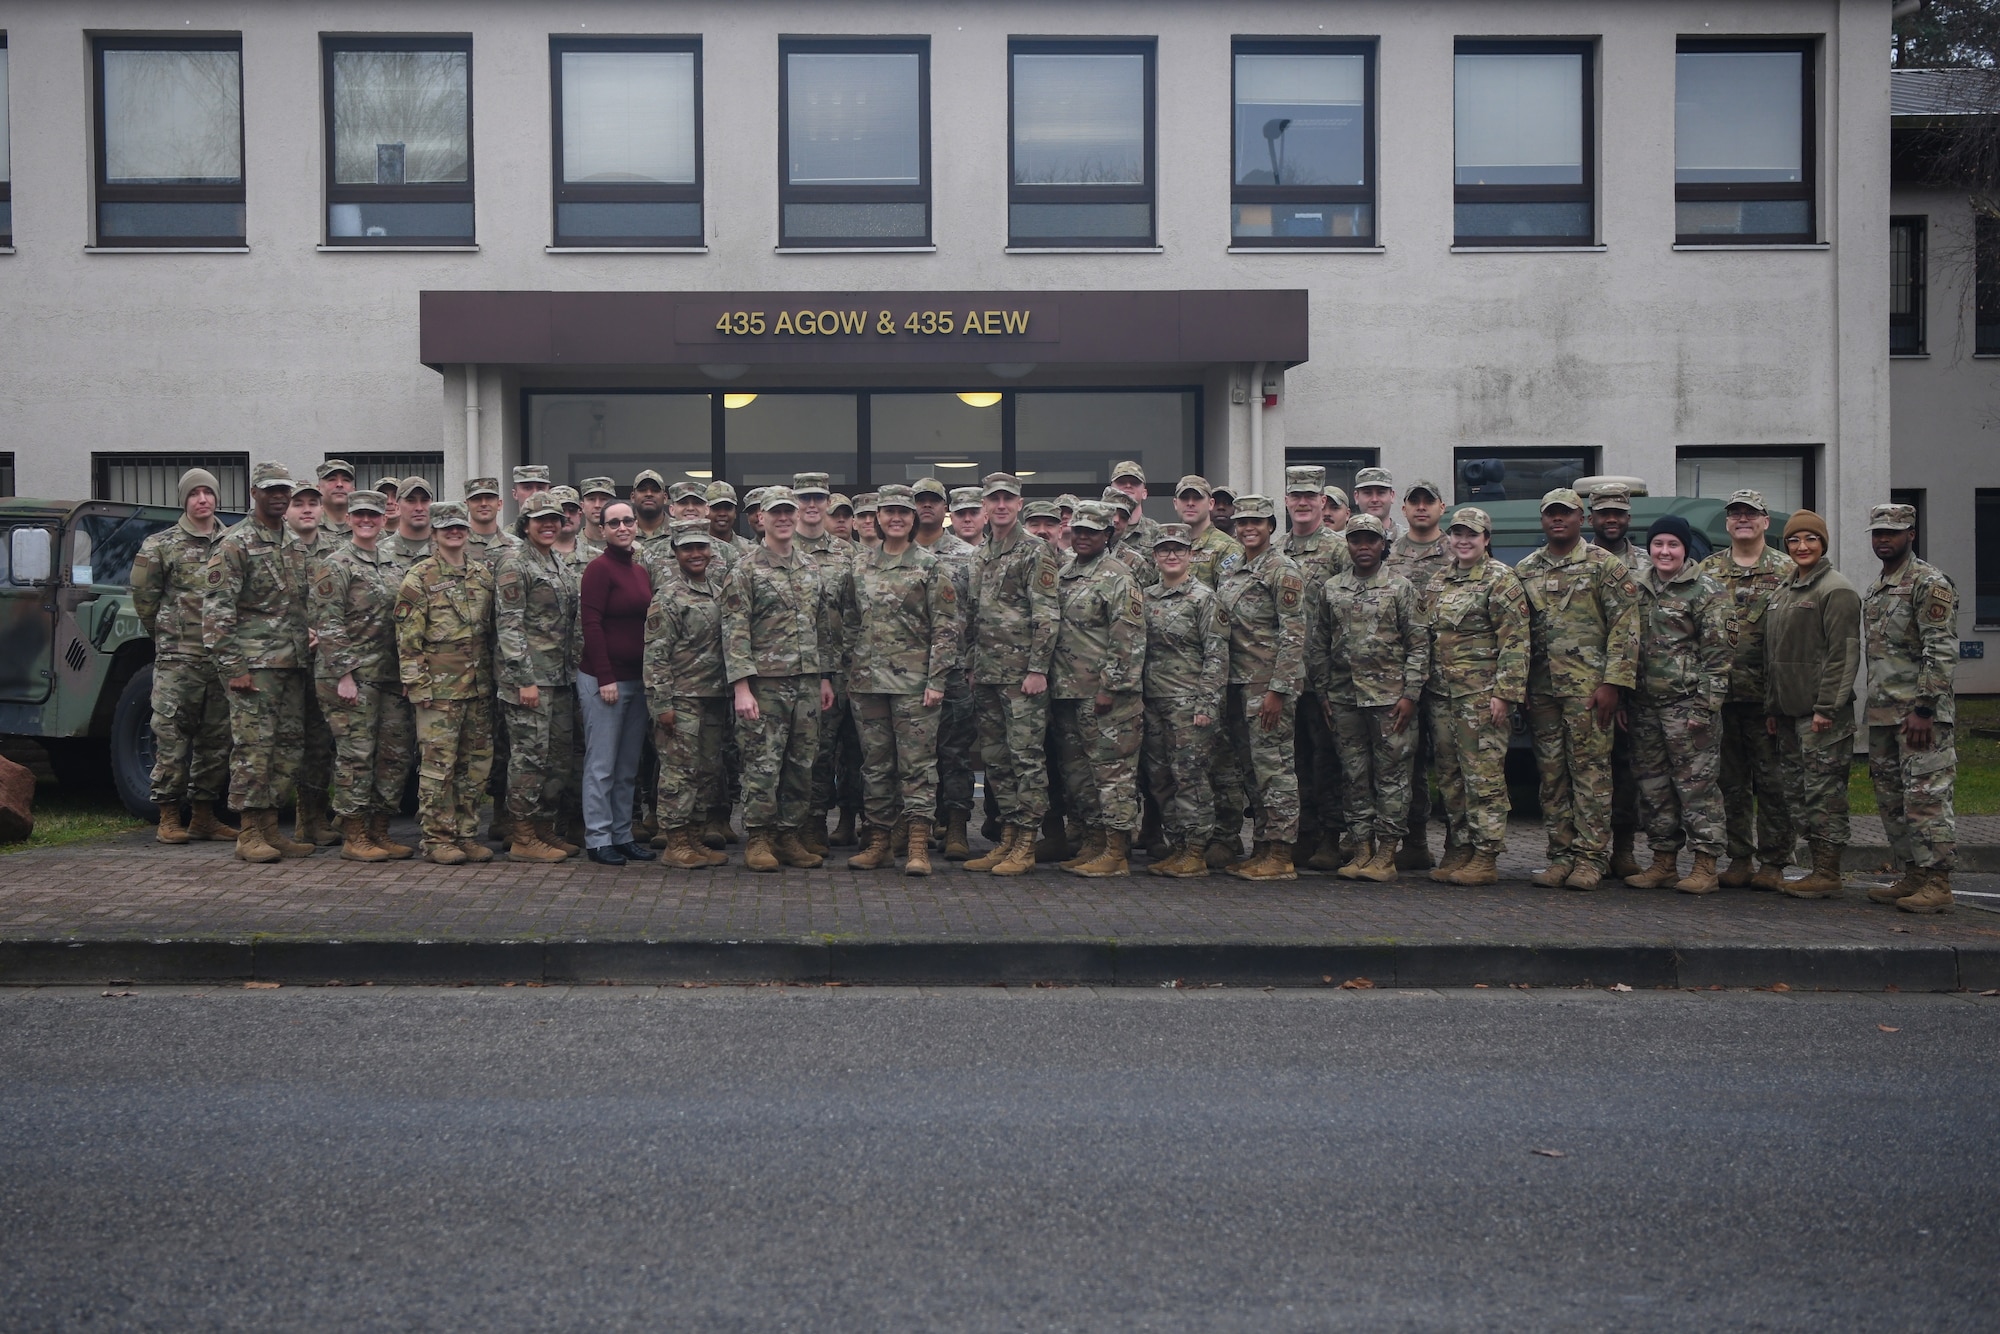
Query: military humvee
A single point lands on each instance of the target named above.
(76, 667)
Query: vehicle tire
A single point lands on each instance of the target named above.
(132, 744)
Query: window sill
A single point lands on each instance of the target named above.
(6, 250)
(1986, 356)
(1781, 245)
(624, 250)
(397, 249)
(854, 249)
(1912, 356)
(1528, 249)
(164, 250)
(1086, 250)
(1308, 250)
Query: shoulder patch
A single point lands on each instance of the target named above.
(1291, 591)
(946, 593)
(1938, 606)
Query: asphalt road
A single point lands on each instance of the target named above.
(833, 1159)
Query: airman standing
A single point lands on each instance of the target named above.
(1264, 601)
(1320, 553)
(411, 541)
(1375, 493)
(958, 725)
(1096, 675)
(687, 695)
(1610, 529)
(833, 786)
(336, 484)
(1215, 552)
(536, 604)
(309, 822)
(1187, 667)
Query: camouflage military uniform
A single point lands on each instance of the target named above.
(1136, 551)
(352, 606)
(683, 674)
(1418, 562)
(1100, 647)
(1625, 820)
(492, 547)
(1687, 631)
(253, 617)
(1320, 555)
(1264, 601)
(403, 552)
(901, 636)
(1014, 615)
(1215, 554)
(1812, 653)
(316, 760)
(1910, 629)
(1187, 667)
(1750, 766)
(1479, 653)
(775, 637)
(958, 726)
(536, 605)
(1370, 649)
(444, 617)
(836, 771)
(190, 706)
(1585, 623)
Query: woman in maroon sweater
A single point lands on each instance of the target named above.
(616, 593)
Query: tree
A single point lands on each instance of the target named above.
(1962, 34)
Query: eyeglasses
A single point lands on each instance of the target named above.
(621, 523)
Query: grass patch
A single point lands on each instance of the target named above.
(1978, 790)
(62, 818)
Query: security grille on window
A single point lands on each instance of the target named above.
(1906, 286)
(1986, 286)
(428, 465)
(169, 141)
(154, 479)
(6, 160)
(1743, 156)
(628, 142)
(1525, 132)
(854, 143)
(1516, 474)
(1080, 155)
(1305, 144)
(399, 141)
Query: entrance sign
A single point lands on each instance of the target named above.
(881, 323)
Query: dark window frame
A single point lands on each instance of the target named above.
(1986, 558)
(1147, 194)
(106, 193)
(571, 192)
(1309, 194)
(1985, 286)
(7, 186)
(1806, 188)
(7, 473)
(1918, 226)
(920, 193)
(1807, 455)
(1584, 193)
(217, 462)
(429, 192)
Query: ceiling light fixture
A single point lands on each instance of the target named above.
(738, 400)
(979, 399)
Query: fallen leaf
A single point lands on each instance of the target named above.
(1886, 1029)
(117, 993)
(1326, 977)
(1357, 984)
(1900, 930)
(1781, 986)
(1549, 1153)
(260, 986)
(1994, 992)
(1481, 986)
(1619, 986)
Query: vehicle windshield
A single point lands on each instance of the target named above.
(105, 544)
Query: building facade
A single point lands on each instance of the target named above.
(1493, 243)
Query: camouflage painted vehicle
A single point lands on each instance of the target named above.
(76, 667)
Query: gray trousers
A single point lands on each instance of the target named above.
(614, 739)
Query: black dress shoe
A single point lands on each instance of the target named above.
(638, 852)
(605, 856)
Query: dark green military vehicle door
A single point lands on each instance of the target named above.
(28, 587)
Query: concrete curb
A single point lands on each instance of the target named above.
(987, 963)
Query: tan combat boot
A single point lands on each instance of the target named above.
(444, 854)
(250, 844)
(290, 848)
(528, 846)
(1020, 858)
(1362, 855)
(994, 855)
(1186, 863)
(874, 852)
(698, 844)
(1738, 874)
(918, 860)
(206, 825)
(758, 853)
(171, 829)
(1327, 856)
(1381, 868)
(1769, 877)
(792, 852)
(1911, 880)
(1454, 858)
(1273, 863)
(545, 830)
(1623, 863)
(1481, 868)
(1415, 854)
(309, 824)
(1554, 875)
(1824, 879)
(1933, 896)
(812, 837)
(500, 829)
(378, 834)
(1168, 856)
(1093, 847)
(1701, 878)
(355, 845)
(843, 829)
(1584, 875)
(474, 850)
(956, 846)
(1115, 859)
(1665, 869)
(685, 850)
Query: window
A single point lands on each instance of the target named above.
(854, 144)
(169, 141)
(1743, 157)
(7, 474)
(1480, 475)
(1986, 286)
(399, 141)
(6, 160)
(1072, 441)
(1524, 135)
(956, 439)
(154, 479)
(427, 464)
(614, 433)
(1305, 144)
(1080, 154)
(1784, 473)
(627, 142)
(1340, 464)
(1986, 541)
(1913, 496)
(1906, 286)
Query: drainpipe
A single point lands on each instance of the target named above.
(471, 422)
(1257, 429)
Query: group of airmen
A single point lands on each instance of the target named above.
(1120, 683)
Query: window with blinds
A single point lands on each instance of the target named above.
(628, 169)
(854, 143)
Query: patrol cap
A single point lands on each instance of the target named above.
(1113, 496)
(867, 502)
(367, 502)
(1374, 477)
(1091, 514)
(1128, 468)
(1173, 534)
(598, 486)
(896, 496)
(388, 486)
(566, 496)
(966, 498)
(1466, 516)
(995, 483)
(1564, 497)
(1894, 518)
(1613, 496)
(1424, 484)
(930, 486)
(1336, 495)
(648, 475)
(774, 496)
(1304, 477)
(449, 515)
(527, 474)
(1041, 509)
(414, 483)
(837, 502)
(688, 491)
(689, 533)
(269, 476)
(811, 484)
(304, 485)
(1194, 482)
(540, 505)
(720, 493)
(482, 486)
(1254, 506)
(1754, 499)
(755, 499)
(1224, 492)
(195, 477)
(332, 466)
(1066, 501)
(1365, 523)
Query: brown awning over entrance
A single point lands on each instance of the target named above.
(853, 328)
